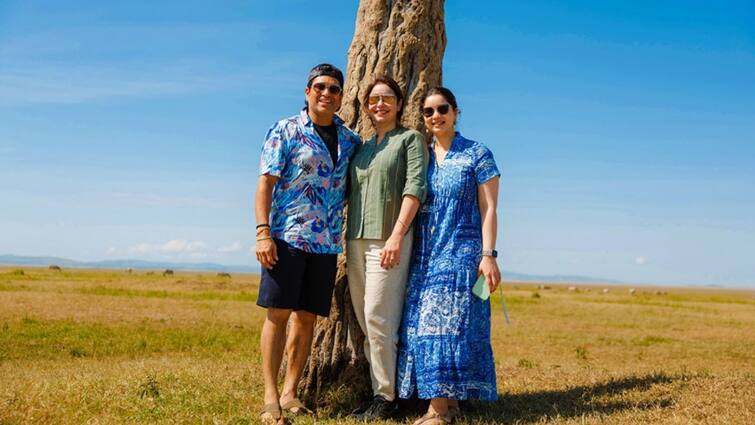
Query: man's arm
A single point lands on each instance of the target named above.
(265, 249)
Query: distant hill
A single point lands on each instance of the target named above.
(15, 260)
(556, 278)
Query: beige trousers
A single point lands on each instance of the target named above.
(378, 298)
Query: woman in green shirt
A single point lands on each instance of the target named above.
(388, 183)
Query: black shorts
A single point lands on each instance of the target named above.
(298, 281)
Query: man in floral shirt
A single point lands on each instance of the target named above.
(299, 210)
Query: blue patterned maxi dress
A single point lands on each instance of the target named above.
(444, 346)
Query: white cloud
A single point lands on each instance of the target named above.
(640, 260)
(234, 247)
(175, 246)
(180, 245)
(142, 248)
(112, 251)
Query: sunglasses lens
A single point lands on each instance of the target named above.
(443, 109)
(388, 100)
(428, 112)
(320, 87)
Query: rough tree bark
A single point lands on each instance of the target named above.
(404, 39)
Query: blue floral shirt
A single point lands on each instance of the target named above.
(308, 198)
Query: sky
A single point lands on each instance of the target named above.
(624, 130)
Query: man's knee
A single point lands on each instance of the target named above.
(304, 318)
(278, 316)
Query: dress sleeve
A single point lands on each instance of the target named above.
(273, 158)
(485, 168)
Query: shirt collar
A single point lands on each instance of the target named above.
(395, 130)
(457, 136)
(306, 120)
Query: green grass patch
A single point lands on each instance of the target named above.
(243, 296)
(653, 302)
(30, 338)
(198, 295)
(16, 275)
(515, 300)
(608, 341)
(10, 288)
(651, 340)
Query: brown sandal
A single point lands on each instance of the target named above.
(296, 408)
(434, 418)
(271, 414)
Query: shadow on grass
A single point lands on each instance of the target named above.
(600, 399)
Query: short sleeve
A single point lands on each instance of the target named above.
(485, 168)
(273, 158)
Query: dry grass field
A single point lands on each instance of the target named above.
(110, 347)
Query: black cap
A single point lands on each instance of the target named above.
(327, 70)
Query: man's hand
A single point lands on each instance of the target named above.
(267, 253)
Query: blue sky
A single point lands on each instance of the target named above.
(625, 130)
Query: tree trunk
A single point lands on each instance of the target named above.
(404, 39)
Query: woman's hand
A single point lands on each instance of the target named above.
(267, 253)
(391, 252)
(489, 268)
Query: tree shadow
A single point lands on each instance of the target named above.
(599, 399)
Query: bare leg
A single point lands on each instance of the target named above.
(439, 405)
(298, 346)
(272, 344)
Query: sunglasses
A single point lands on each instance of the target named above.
(321, 87)
(442, 109)
(388, 99)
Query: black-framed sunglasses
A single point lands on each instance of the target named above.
(442, 109)
(334, 89)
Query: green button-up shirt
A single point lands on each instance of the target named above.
(381, 174)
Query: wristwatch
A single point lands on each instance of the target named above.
(490, 253)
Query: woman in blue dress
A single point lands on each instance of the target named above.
(444, 349)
